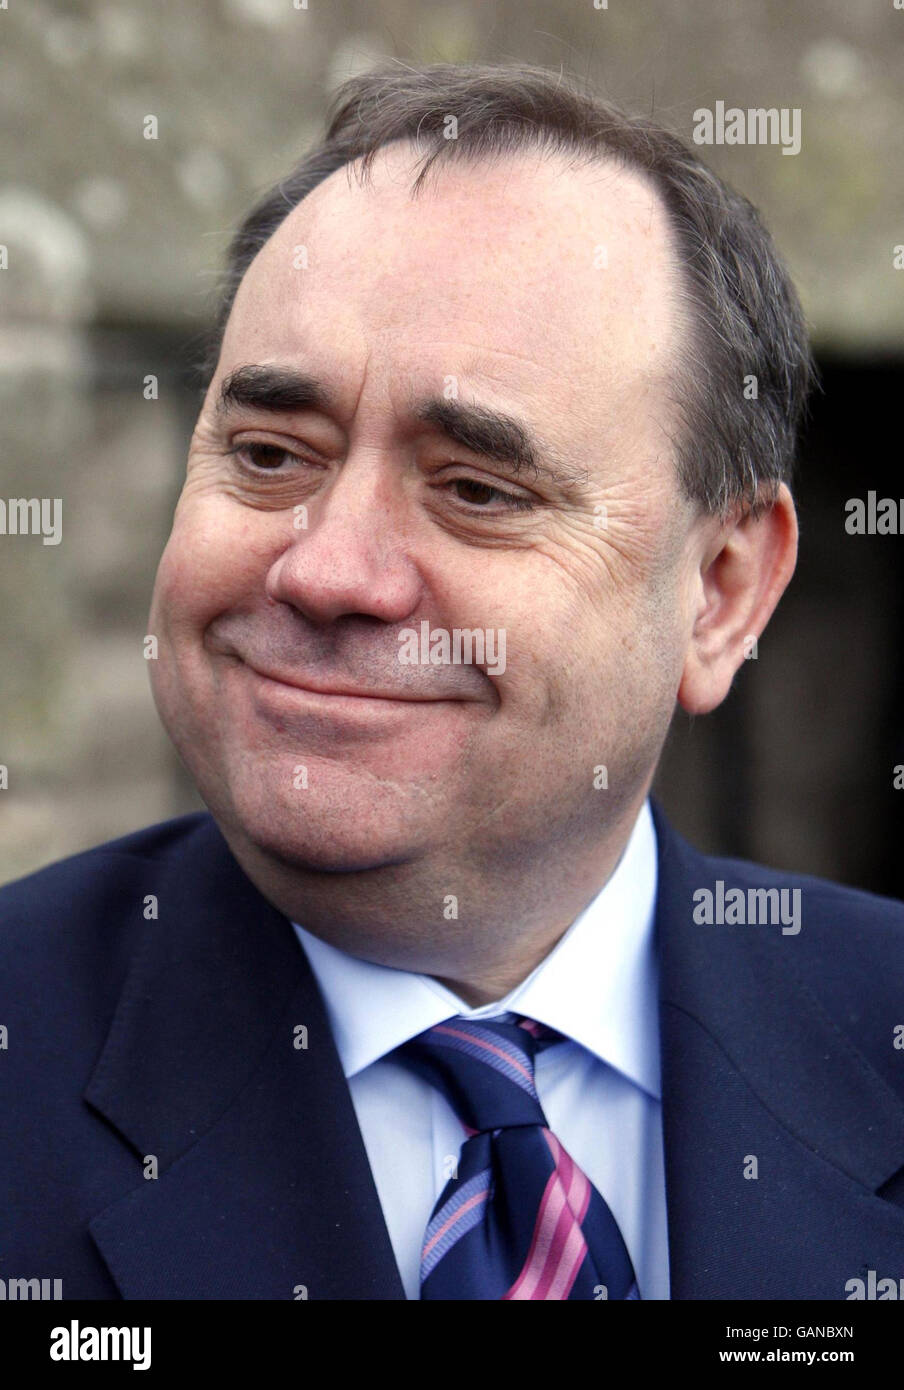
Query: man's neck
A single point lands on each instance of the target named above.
(422, 918)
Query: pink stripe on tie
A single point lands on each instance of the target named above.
(551, 1205)
(488, 1047)
(568, 1246)
(558, 1246)
(456, 1216)
(572, 1258)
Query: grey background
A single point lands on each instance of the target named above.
(114, 241)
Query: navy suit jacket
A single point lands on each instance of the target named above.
(174, 1038)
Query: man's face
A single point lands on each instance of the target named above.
(307, 539)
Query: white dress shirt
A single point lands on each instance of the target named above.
(600, 1091)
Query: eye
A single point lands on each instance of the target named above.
(484, 493)
(263, 458)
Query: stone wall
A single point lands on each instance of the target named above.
(113, 241)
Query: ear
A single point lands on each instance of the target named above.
(741, 578)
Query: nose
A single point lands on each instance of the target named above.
(353, 557)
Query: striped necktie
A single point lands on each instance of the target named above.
(518, 1219)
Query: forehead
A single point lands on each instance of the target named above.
(526, 271)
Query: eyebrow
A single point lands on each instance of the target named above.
(271, 388)
(492, 434)
(506, 440)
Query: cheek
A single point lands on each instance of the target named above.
(209, 564)
(617, 658)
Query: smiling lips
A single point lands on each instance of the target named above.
(285, 654)
(311, 688)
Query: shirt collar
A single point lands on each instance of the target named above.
(598, 985)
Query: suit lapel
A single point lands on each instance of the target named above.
(264, 1187)
(757, 1078)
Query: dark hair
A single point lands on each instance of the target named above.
(745, 314)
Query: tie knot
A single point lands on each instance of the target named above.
(484, 1067)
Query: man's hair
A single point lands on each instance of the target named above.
(735, 443)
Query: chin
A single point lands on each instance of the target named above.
(341, 838)
(330, 856)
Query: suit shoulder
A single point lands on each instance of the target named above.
(91, 887)
(830, 906)
(847, 951)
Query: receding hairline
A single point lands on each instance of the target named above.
(739, 309)
(676, 365)
(426, 167)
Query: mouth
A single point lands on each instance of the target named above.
(348, 694)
